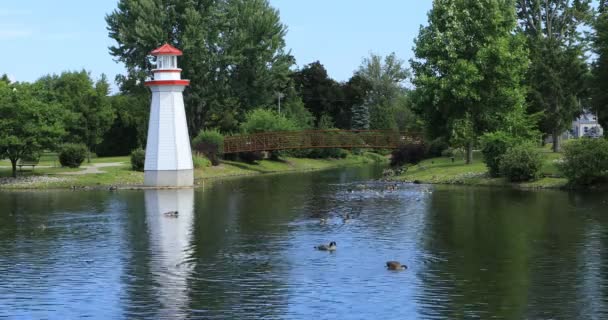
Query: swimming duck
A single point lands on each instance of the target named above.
(172, 214)
(113, 188)
(323, 221)
(346, 217)
(323, 247)
(395, 265)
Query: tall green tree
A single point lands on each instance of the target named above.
(558, 74)
(233, 52)
(599, 84)
(469, 68)
(90, 111)
(27, 124)
(321, 94)
(360, 117)
(385, 78)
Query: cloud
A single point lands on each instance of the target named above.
(9, 33)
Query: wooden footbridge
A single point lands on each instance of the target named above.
(309, 139)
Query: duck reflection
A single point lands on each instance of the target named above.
(171, 236)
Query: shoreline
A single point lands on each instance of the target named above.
(123, 178)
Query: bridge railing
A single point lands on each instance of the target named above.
(269, 141)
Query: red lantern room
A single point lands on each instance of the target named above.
(167, 72)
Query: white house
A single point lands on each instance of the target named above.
(586, 126)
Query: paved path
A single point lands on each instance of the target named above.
(94, 168)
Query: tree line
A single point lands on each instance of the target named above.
(523, 67)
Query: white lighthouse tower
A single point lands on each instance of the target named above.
(168, 154)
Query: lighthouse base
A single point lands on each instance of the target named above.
(169, 178)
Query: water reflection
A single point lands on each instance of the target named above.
(243, 249)
(170, 240)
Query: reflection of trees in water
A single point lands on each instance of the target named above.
(511, 254)
(237, 250)
(141, 295)
(51, 241)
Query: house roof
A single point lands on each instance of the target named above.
(166, 50)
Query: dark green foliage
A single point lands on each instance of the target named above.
(251, 157)
(494, 146)
(585, 161)
(321, 94)
(89, 113)
(599, 84)
(469, 69)
(408, 154)
(360, 117)
(521, 163)
(130, 127)
(263, 120)
(138, 159)
(436, 147)
(211, 144)
(328, 153)
(72, 155)
(233, 53)
(27, 124)
(558, 73)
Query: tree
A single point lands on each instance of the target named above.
(27, 125)
(600, 66)
(385, 80)
(469, 68)
(90, 112)
(558, 71)
(360, 117)
(321, 94)
(233, 52)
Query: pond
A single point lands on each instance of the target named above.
(244, 249)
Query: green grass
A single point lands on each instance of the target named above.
(444, 171)
(124, 176)
(235, 168)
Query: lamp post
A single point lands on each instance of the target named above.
(280, 95)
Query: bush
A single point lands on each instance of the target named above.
(72, 155)
(251, 157)
(585, 161)
(263, 120)
(408, 154)
(494, 146)
(436, 148)
(200, 161)
(521, 163)
(211, 144)
(138, 159)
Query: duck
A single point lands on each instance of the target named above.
(395, 265)
(323, 221)
(113, 188)
(346, 218)
(324, 247)
(172, 214)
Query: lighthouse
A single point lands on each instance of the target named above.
(168, 154)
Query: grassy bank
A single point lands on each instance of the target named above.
(444, 171)
(51, 177)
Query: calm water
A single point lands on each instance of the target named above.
(243, 249)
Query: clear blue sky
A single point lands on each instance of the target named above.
(41, 37)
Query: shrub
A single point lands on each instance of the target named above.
(72, 155)
(408, 154)
(449, 152)
(263, 120)
(436, 148)
(200, 161)
(521, 163)
(211, 144)
(138, 159)
(585, 161)
(251, 157)
(494, 146)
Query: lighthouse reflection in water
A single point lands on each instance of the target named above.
(172, 244)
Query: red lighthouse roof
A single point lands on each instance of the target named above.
(166, 50)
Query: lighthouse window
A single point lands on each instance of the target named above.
(160, 63)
